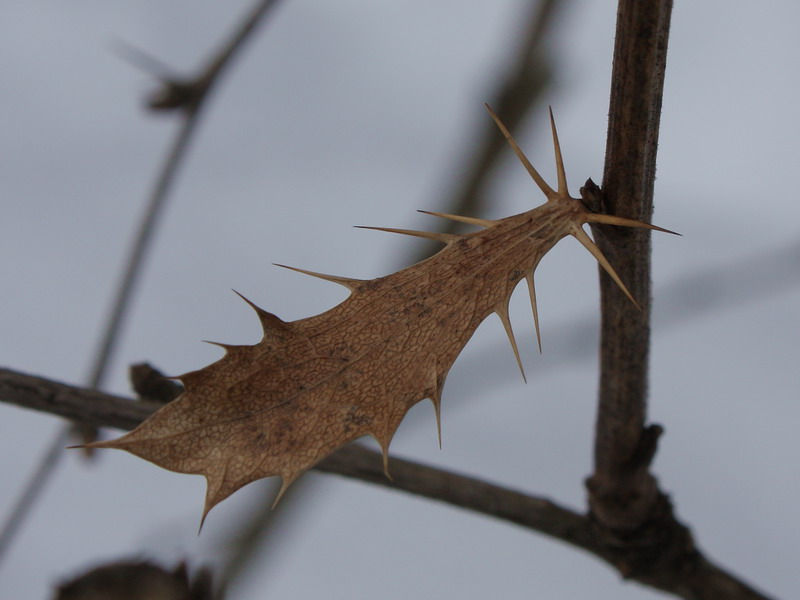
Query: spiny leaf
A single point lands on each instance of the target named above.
(312, 385)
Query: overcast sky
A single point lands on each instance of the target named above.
(358, 113)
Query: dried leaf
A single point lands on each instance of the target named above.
(310, 386)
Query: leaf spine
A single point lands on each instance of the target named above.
(445, 238)
(562, 174)
(623, 222)
(586, 241)
(269, 321)
(460, 218)
(349, 283)
(546, 189)
(532, 293)
(502, 312)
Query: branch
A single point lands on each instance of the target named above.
(176, 94)
(538, 514)
(634, 517)
(623, 494)
(105, 410)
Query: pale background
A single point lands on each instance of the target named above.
(355, 112)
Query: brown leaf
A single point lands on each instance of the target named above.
(312, 385)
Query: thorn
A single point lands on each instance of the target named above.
(623, 222)
(210, 501)
(562, 175)
(202, 521)
(258, 309)
(269, 322)
(286, 481)
(226, 347)
(217, 344)
(437, 383)
(445, 238)
(546, 189)
(502, 312)
(587, 242)
(460, 218)
(384, 439)
(532, 291)
(385, 453)
(350, 284)
(437, 409)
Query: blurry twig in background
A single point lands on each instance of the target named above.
(535, 513)
(188, 96)
(527, 75)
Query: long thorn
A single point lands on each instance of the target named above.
(437, 408)
(562, 174)
(502, 312)
(445, 238)
(350, 284)
(460, 218)
(385, 455)
(546, 189)
(285, 483)
(587, 242)
(532, 291)
(623, 222)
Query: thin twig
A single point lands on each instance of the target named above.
(201, 89)
(98, 409)
(704, 580)
(190, 119)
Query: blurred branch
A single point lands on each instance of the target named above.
(193, 97)
(704, 580)
(189, 96)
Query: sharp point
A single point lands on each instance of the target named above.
(225, 347)
(445, 238)
(385, 453)
(546, 189)
(252, 305)
(460, 218)
(347, 282)
(285, 483)
(502, 312)
(624, 222)
(587, 243)
(562, 174)
(534, 307)
(437, 409)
